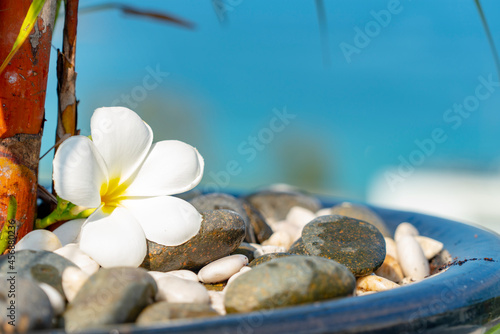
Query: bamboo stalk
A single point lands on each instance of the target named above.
(22, 98)
(66, 76)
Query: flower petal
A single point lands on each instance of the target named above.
(122, 138)
(171, 167)
(79, 172)
(114, 240)
(166, 220)
(69, 232)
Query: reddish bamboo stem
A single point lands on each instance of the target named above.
(66, 75)
(22, 97)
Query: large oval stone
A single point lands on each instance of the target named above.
(361, 212)
(221, 232)
(275, 205)
(288, 281)
(298, 248)
(41, 266)
(354, 243)
(220, 201)
(110, 296)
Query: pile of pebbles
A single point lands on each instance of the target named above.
(267, 250)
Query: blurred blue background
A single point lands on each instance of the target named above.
(353, 114)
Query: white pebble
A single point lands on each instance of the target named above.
(239, 273)
(299, 216)
(56, 300)
(73, 279)
(430, 246)
(324, 212)
(279, 239)
(374, 283)
(363, 293)
(390, 248)
(275, 225)
(271, 221)
(245, 269)
(158, 274)
(178, 290)
(411, 258)
(256, 246)
(217, 301)
(39, 240)
(262, 250)
(407, 280)
(73, 253)
(221, 269)
(390, 269)
(293, 231)
(184, 274)
(405, 229)
(69, 232)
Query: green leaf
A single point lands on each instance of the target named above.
(10, 224)
(12, 209)
(28, 23)
(486, 27)
(494, 330)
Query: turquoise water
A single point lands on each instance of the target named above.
(265, 101)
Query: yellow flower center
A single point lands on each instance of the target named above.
(112, 194)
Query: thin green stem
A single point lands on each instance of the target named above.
(63, 212)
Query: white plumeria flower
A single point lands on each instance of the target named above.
(128, 180)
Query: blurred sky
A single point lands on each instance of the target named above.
(351, 119)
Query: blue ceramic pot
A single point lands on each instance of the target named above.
(462, 299)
